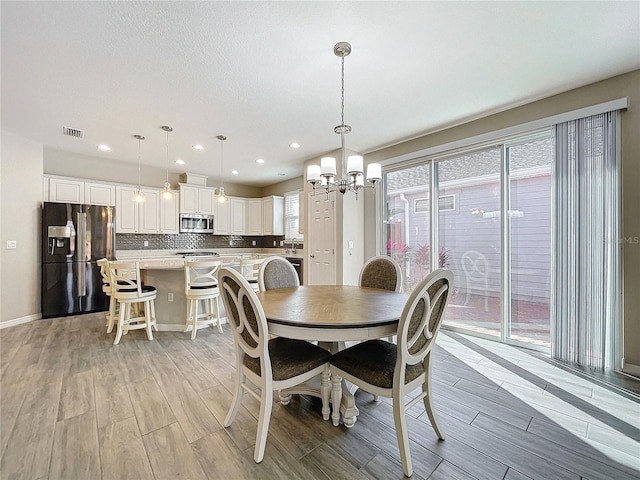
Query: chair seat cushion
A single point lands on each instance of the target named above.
(374, 361)
(290, 358)
(145, 289)
(204, 286)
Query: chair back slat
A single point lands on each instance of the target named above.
(125, 278)
(249, 268)
(201, 273)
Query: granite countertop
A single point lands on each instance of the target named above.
(169, 255)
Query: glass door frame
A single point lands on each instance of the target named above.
(505, 226)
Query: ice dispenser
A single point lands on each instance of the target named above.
(61, 239)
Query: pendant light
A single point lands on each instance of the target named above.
(221, 197)
(139, 197)
(167, 194)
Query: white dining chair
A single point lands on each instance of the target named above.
(103, 263)
(269, 364)
(395, 371)
(127, 289)
(201, 287)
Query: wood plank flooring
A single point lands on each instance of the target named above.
(74, 406)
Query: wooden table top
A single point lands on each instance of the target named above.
(332, 306)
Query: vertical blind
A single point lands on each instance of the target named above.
(586, 304)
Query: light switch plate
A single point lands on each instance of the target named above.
(12, 244)
(350, 244)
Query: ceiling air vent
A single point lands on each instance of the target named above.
(72, 132)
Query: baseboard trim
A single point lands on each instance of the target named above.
(175, 327)
(632, 369)
(19, 321)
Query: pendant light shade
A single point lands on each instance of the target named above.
(167, 194)
(221, 197)
(138, 196)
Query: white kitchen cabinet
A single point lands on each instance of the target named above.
(253, 216)
(132, 217)
(236, 216)
(66, 191)
(126, 210)
(99, 194)
(70, 190)
(197, 199)
(169, 217)
(222, 218)
(273, 215)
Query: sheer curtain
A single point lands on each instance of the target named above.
(586, 303)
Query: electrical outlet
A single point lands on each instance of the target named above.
(146, 243)
(12, 244)
(282, 243)
(230, 243)
(274, 243)
(170, 297)
(253, 243)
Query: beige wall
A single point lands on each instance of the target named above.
(20, 217)
(627, 85)
(283, 187)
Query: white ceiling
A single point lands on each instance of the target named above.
(264, 73)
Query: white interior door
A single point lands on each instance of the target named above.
(322, 239)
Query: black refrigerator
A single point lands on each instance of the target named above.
(74, 237)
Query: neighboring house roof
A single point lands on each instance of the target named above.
(472, 165)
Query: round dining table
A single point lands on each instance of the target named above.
(332, 315)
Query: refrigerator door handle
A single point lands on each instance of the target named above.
(82, 253)
(82, 279)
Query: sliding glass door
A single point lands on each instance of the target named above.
(491, 226)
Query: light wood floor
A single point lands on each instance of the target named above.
(74, 406)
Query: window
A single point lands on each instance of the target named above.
(446, 203)
(292, 216)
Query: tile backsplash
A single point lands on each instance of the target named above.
(191, 241)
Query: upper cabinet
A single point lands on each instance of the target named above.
(64, 190)
(253, 216)
(273, 216)
(99, 194)
(169, 216)
(236, 216)
(221, 218)
(154, 215)
(194, 199)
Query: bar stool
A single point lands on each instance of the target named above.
(127, 289)
(103, 263)
(249, 268)
(201, 285)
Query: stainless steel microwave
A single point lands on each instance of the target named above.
(196, 223)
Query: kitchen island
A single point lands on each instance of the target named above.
(164, 269)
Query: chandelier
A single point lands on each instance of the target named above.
(323, 176)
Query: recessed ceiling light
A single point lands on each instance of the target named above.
(180, 161)
(198, 147)
(104, 148)
(235, 172)
(261, 161)
(294, 145)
